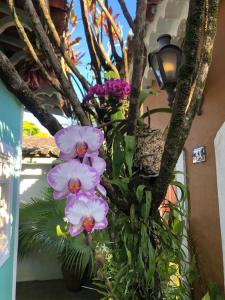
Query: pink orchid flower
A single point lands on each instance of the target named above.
(86, 212)
(72, 177)
(96, 162)
(78, 141)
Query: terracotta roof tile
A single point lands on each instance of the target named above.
(35, 146)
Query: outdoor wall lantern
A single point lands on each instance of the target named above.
(165, 63)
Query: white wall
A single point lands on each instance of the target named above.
(219, 144)
(32, 182)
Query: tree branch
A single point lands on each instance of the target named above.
(116, 56)
(49, 51)
(90, 41)
(182, 119)
(106, 62)
(138, 65)
(20, 89)
(126, 14)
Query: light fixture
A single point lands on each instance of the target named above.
(165, 63)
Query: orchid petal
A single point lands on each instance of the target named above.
(98, 209)
(101, 189)
(60, 195)
(59, 176)
(75, 230)
(67, 138)
(93, 137)
(75, 213)
(99, 164)
(101, 225)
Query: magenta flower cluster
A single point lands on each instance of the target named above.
(77, 178)
(115, 88)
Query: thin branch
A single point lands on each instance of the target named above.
(181, 122)
(122, 204)
(106, 62)
(117, 32)
(138, 65)
(30, 48)
(116, 56)
(90, 41)
(54, 60)
(51, 26)
(102, 125)
(126, 14)
(20, 89)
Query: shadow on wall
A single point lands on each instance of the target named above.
(39, 266)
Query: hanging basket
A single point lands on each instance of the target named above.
(150, 145)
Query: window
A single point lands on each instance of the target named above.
(6, 171)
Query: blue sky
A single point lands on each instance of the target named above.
(79, 32)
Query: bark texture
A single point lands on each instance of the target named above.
(139, 61)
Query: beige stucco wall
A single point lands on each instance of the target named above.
(204, 217)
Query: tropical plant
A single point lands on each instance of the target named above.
(42, 228)
(146, 253)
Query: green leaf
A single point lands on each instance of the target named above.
(119, 115)
(130, 145)
(128, 252)
(122, 184)
(117, 154)
(206, 297)
(182, 188)
(139, 192)
(111, 74)
(146, 207)
(151, 261)
(59, 231)
(153, 92)
(156, 110)
(132, 216)
(178, 227)
(143, 95)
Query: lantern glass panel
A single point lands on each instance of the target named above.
(169, 62)
(156, 69)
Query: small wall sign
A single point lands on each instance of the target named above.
(199, 155)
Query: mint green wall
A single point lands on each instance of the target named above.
(10, 133)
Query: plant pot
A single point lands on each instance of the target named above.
(72, 277)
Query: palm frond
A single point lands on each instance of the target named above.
(40, 223)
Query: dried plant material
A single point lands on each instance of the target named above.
(150, 145)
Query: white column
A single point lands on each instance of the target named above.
(219, 144)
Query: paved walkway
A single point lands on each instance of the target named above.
(51, 290)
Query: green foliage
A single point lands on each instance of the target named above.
(30, 129)
(111, 74)
(213, 292)
(130, 144)
(42, 227)
(148, 260)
